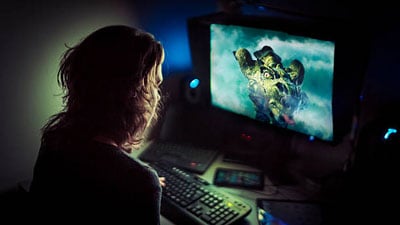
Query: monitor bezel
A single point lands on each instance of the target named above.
(350, 59)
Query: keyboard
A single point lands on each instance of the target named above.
(188, 199)
(191, 158)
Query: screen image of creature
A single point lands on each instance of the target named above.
(273, 77)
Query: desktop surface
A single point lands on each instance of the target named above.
(248, 196)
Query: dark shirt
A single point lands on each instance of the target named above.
(76, 177)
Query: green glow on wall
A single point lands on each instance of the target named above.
(29, 87)
(46, 94)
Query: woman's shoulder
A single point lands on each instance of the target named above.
(125, 165)
(142, 170)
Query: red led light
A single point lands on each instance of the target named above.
(245, 137)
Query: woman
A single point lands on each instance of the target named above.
(111, 82)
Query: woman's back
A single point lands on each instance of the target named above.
(75, 174)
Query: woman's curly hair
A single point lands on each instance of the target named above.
(111, 86)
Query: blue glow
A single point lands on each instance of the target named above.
(177, 52)
(389, 132)
(167, 20)
(311, 138)
(261, 8)
(194, 83)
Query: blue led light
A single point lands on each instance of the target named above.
(311, 138)
(194, 83)
(389, 132)
(261, 8)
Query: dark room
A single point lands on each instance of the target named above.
(269, 112)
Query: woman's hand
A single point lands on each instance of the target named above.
(162, 181)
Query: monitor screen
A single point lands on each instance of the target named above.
(277, 91)
(274, 77)
(279, 77)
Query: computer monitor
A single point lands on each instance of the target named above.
(299, 74)
(274, 77)
(270, 80)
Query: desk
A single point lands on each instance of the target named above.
(271, 191)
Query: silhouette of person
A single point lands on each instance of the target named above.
(111, 82)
